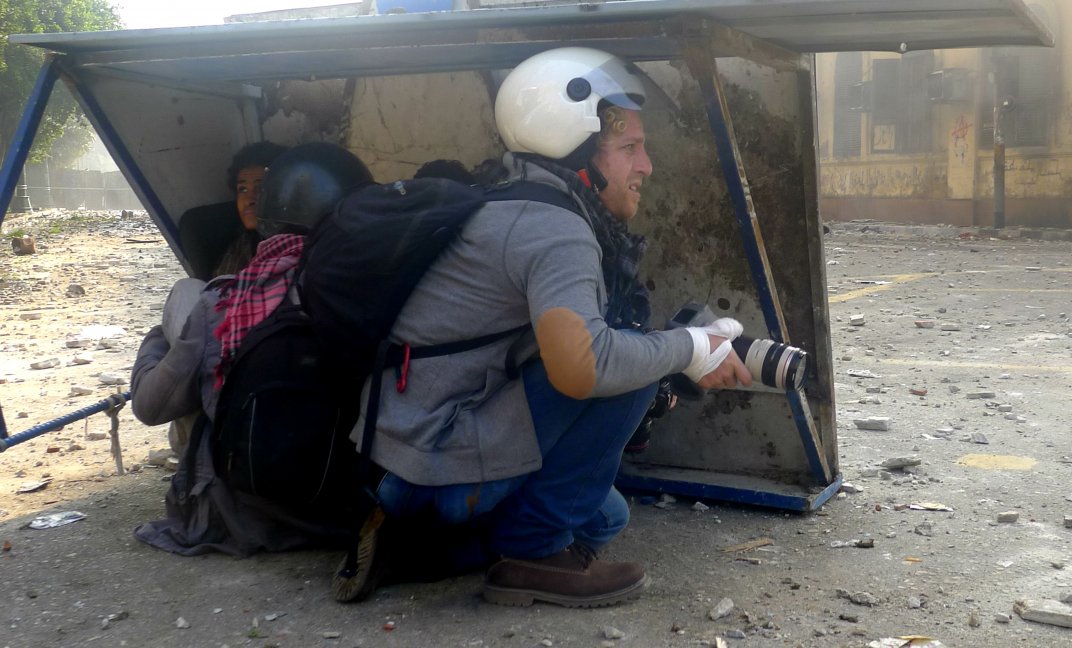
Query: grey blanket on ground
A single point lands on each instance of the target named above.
(205, 515)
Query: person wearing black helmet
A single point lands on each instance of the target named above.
(534, 460)
(181, 373)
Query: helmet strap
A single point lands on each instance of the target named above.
(593, 177)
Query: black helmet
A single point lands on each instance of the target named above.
(304, 184)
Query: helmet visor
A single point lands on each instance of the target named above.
(618, 84)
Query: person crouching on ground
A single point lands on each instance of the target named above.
(533, 461)
(181, 364)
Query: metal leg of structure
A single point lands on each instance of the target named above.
(702, 64)
(113, 402)
(19, 149)
(123, 159)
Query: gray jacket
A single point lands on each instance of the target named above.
(461, 420)
(170, 381)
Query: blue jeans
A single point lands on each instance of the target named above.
(571, 498)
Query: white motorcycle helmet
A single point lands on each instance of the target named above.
(548, 104)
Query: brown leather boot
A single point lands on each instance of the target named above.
(573, 578)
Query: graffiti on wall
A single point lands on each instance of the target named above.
(959, 137)
(904, 180)
(884, 138)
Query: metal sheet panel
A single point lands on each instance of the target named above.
(410, 43)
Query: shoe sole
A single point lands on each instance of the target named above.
(524, 598)
(361, 585)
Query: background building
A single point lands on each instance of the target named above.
(910, 138)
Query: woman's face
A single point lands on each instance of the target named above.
(248, 191)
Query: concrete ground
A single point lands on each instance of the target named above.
(991, 435)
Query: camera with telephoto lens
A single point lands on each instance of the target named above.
(774, 364)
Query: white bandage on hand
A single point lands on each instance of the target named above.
(726, 327)
(704, 360)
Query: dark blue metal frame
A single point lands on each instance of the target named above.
(803, 502)
(729, 158)
(702, 63)
(813, 449)
(20, 146)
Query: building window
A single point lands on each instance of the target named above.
(1027, 82)
(848, 72)
(901, 116)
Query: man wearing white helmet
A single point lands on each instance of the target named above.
(535, 459)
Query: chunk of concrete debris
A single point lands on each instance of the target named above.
(850, 488)
(859, 598)
(97, 436)
(80, 390)
(926, 323)
(1001, 617)
(1005, 408)
(975, 395)
(860, 543)
(930, 506)
(949, 327)
(666, 500)
(82, 359)
(158, 457)
(1008, 517)
(863, 373)
(979, 437)
(857, 319)
(721, 610)
(610, 632)
(45, 364)
(77, 342)
(26, 317)
(1068, 521)
(700, 506)
(1045, 611)
(900, 463)
(877, 423)
(112, 379)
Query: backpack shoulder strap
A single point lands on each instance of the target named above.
(535, 191)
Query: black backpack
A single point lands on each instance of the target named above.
(290, 398)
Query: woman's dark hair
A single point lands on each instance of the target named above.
(257, 154)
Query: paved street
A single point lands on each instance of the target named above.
(982, 326)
